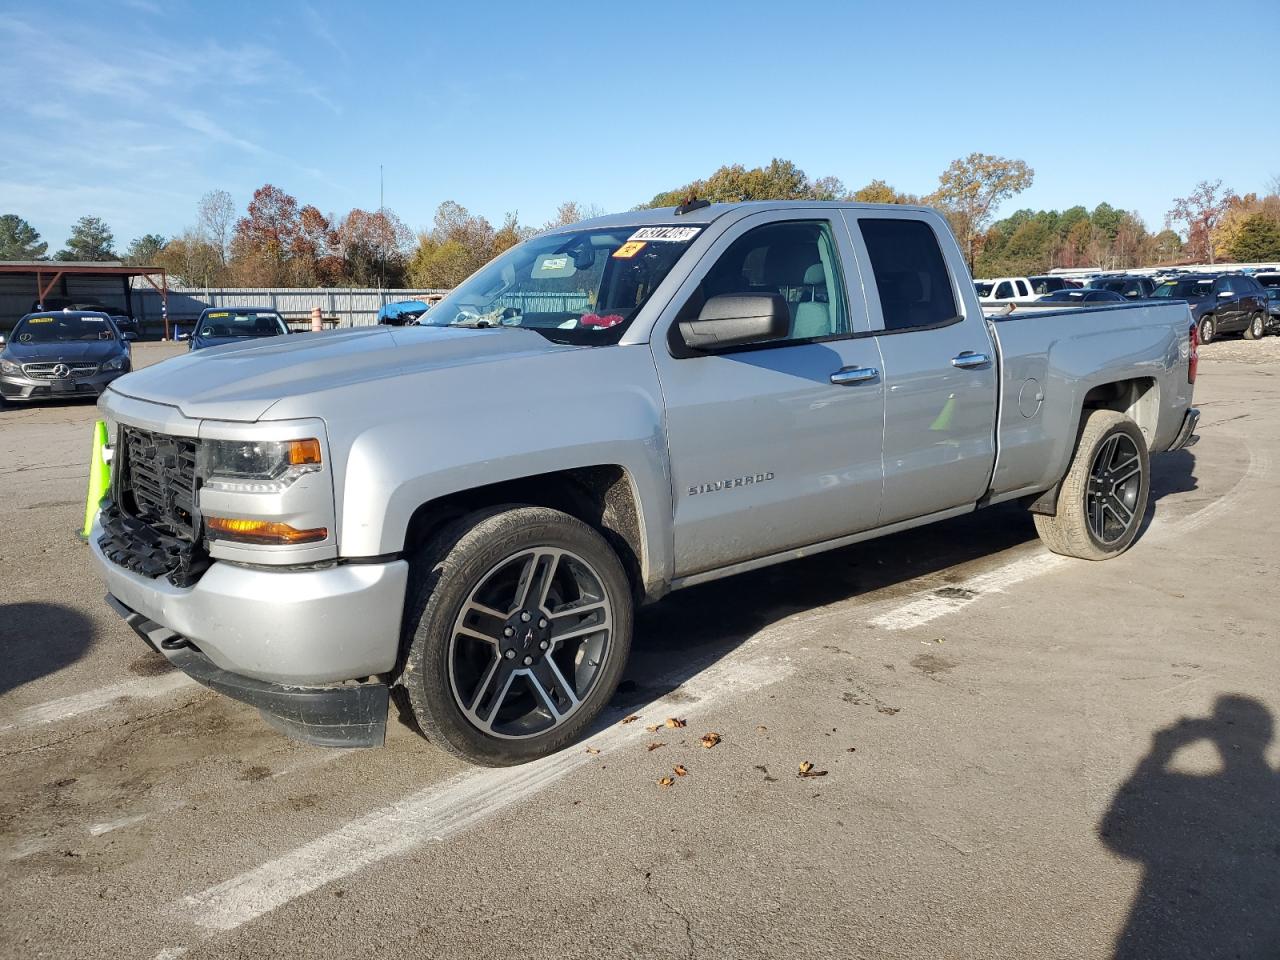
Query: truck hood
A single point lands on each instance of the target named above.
(242, 381)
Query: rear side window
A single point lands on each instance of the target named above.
(911, 277)
(1004, 291)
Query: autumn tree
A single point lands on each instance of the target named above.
(780, 180)
(144, 250)
(316, 250)
(263, 242)
(1199, 211)
(374, 248)
(877, 191)
(457, 245)
(970, 190)
(192, 260)
(19, 240)
(91, 240)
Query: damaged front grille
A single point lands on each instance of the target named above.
(159, 481)
(152, 526)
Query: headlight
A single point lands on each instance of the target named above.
(258, 466)
(117, 363)
(11, 368)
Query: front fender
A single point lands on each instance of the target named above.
(474, 426)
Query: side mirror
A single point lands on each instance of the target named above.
(130, 336)
(1225, 295)
(735, 319)
(184, 336)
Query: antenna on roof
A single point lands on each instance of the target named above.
(690, 204)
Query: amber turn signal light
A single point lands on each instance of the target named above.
(267, 532)
(304, 452)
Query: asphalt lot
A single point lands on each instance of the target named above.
(1005, 770)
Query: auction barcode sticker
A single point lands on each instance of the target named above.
(666, 234)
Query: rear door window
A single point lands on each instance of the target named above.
(911, 276)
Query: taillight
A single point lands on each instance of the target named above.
(1193, 359)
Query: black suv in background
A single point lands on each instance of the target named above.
(1131, 288)
(1221, 303)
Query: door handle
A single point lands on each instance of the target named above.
(970, 359)
(851, 375)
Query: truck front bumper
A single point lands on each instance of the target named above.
(254, 632)
(349, 715)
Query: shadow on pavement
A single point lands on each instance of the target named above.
(1209, 843)
(38, 639)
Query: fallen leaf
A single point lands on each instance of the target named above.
(762, 728)
(666, 781)
(653, 727)
(806, 767)
(762, 768)
(806, 770)
(675, 723)
(654, 746)
(769, 779)
(592, 750)
(631, 719)
(851, 750)
(681, 770)
(709, 740)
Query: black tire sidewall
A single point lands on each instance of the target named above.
(1085, 465)
(447, 571)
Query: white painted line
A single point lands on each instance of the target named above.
(67, 707)
(98, 829)
(448, 808)
(937, 602)
(940, 601)
(172, 953)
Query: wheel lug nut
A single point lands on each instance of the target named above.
(525, 617)
(509, 632)
(528, 660)
(542, 645)
(510, 654)
(542, 623)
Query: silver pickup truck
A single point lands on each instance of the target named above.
(471, 509)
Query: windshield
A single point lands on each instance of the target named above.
(1185, 289)
(62, 328)
(1273, 293)
(235, 323)
(584, 286)
(984, 289)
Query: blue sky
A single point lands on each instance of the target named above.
(132, 110)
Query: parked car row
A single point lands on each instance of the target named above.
(1220, 303)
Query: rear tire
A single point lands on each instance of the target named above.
(1104, 495)
(518, 628)
(1208, 327)
(1257, 328)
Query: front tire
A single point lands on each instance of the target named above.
(1257, 328)
(1104, 495)
(1208, 327)
(518, 629)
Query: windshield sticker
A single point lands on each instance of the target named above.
(40, 320)
(666, 234)
(551, 266)
(214, 316)
(629, 249)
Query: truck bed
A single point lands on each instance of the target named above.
(1054, 361)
